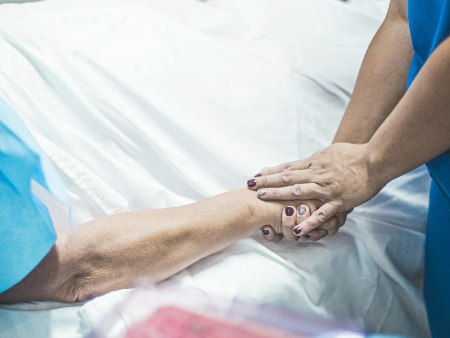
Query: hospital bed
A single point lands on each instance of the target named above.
(158, 103)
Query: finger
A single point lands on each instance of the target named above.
(342, 218)
(288, 222)
(303, 212)
(282, 179)
(270, 234)
(301, 191)
(317, 234)
(301, 164)
(317, 218)
(331, 226)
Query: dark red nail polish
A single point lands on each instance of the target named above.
(307, 236)
(265, 232)
(289, 211)
(297, 231)
(258, 175)
(251, 183)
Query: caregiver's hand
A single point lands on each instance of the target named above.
(340, 176)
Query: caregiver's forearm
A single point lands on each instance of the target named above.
(109, 253)
(418, 129)
(382, 79)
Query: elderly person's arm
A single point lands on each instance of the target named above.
(109, 253)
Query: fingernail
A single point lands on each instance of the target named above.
(302, 210)
(262, 192)
(297, 231)
(258, 175)
(289, 211)
(307, 236)
(265, 232)
(251, 183)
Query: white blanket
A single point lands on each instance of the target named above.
(157, 103)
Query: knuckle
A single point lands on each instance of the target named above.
(265, 171)
(340, 205)
(320, 216)
(327, 184)
(308, 227)
(263, 181)
(287, 166)
(330, 188)
(296, 190)
(286, 176)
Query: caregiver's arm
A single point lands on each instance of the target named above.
(418, 129)
(380, 86)
(382, 78)
(345, 175)
(109, 253)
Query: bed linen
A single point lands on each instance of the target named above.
(157, 103)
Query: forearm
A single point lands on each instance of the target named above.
(109, 253)
(381, 81)
(419, 127)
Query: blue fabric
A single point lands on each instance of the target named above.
(430, 25)
(437, 256)
(26, 229)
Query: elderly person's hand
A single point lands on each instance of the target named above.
(340, 176)
(294, 214)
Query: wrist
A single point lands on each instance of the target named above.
(258, 212)
(380, 170)
(253, 212)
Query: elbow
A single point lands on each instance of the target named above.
(87, 277)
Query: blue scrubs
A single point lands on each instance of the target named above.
(429, 23)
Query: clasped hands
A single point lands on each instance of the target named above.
(322, 190)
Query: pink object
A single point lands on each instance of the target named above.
(173, 322)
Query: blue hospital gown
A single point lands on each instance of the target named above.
(429, 22)
(26, 230)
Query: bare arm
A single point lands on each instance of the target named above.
(380, 86)
(346, 175)
(418, 129)
(109, 253)
(382, 79)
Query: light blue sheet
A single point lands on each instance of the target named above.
(26, 230)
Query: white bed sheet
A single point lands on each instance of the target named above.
(157, 103)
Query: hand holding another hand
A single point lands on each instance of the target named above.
(294, 215)
(339, 178)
